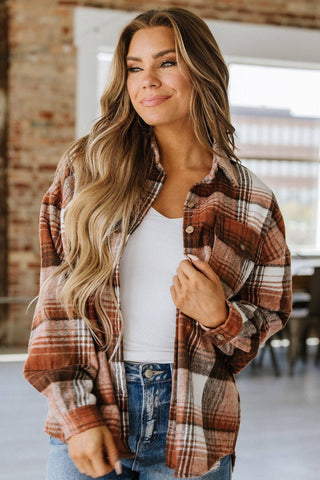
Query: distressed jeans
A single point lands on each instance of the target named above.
(149, 394)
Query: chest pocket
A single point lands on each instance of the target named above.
(235, 250)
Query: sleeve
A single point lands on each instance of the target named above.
(62, 362)
(263, 305)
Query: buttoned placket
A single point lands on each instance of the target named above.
(189, 229)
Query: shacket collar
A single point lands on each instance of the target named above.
(225, 164)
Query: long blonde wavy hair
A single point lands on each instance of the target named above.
(111, 164)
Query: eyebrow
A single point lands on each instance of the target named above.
(155, 55)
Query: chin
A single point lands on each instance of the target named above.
(155, 122)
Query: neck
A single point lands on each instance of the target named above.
(180, 149)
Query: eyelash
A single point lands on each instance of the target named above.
(171, 63)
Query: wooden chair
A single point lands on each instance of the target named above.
(313, 324)
(305, 316)
(274, 360)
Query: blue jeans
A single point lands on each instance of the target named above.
(149, 393)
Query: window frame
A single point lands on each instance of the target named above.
(98, 29)
(303, 251)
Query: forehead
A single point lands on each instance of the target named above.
(151, 39)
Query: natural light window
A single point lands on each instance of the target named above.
(276, 112)
(104, 59)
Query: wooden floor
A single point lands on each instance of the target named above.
(279, 436)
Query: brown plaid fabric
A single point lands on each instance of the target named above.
(238, 229)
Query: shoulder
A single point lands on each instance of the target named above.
(251, 202)
(252, 189)
(248, 180)
(61, 190)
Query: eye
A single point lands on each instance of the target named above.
(134, 69)
(168, 63)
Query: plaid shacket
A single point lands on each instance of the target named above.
(232, 221)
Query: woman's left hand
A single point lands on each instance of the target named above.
(198, 293)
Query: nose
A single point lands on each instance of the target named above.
(150, 79)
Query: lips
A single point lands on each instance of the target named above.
(154, 101)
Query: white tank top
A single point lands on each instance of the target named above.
(148, 264)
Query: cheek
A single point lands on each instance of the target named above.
(185, 88)
(186, 97)
(129, 90)
(132, 89)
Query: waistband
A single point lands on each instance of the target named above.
(146, 373)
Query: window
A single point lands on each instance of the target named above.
(275, 109)
(276, 113)
(104, 59)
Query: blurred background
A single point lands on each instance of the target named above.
(54, 62)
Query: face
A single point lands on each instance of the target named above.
(158, 88)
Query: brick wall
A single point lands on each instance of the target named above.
(41, 125)
(300, 13)
(3, 162)
(41, 104)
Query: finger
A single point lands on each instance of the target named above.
(174, 295)
(182, 274)
(81, 461)
(203, 267)
(112, 452)
(83, 466)
(99, 466)
(177, 283)
(94, 466)
(187, 267)
(191, 270)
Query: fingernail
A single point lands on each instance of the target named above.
(193, 257)
(118, 467)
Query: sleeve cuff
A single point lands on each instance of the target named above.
(81, 419)
(225, 332)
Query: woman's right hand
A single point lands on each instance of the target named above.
(94, 452)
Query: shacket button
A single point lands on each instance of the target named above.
(191, 204)
(189, 229)
(242, 247)
(220, 336)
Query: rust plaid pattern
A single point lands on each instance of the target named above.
(238, 229)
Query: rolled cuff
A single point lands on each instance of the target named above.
(81, 419)
(228, 330)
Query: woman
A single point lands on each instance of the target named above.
(155, 197)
